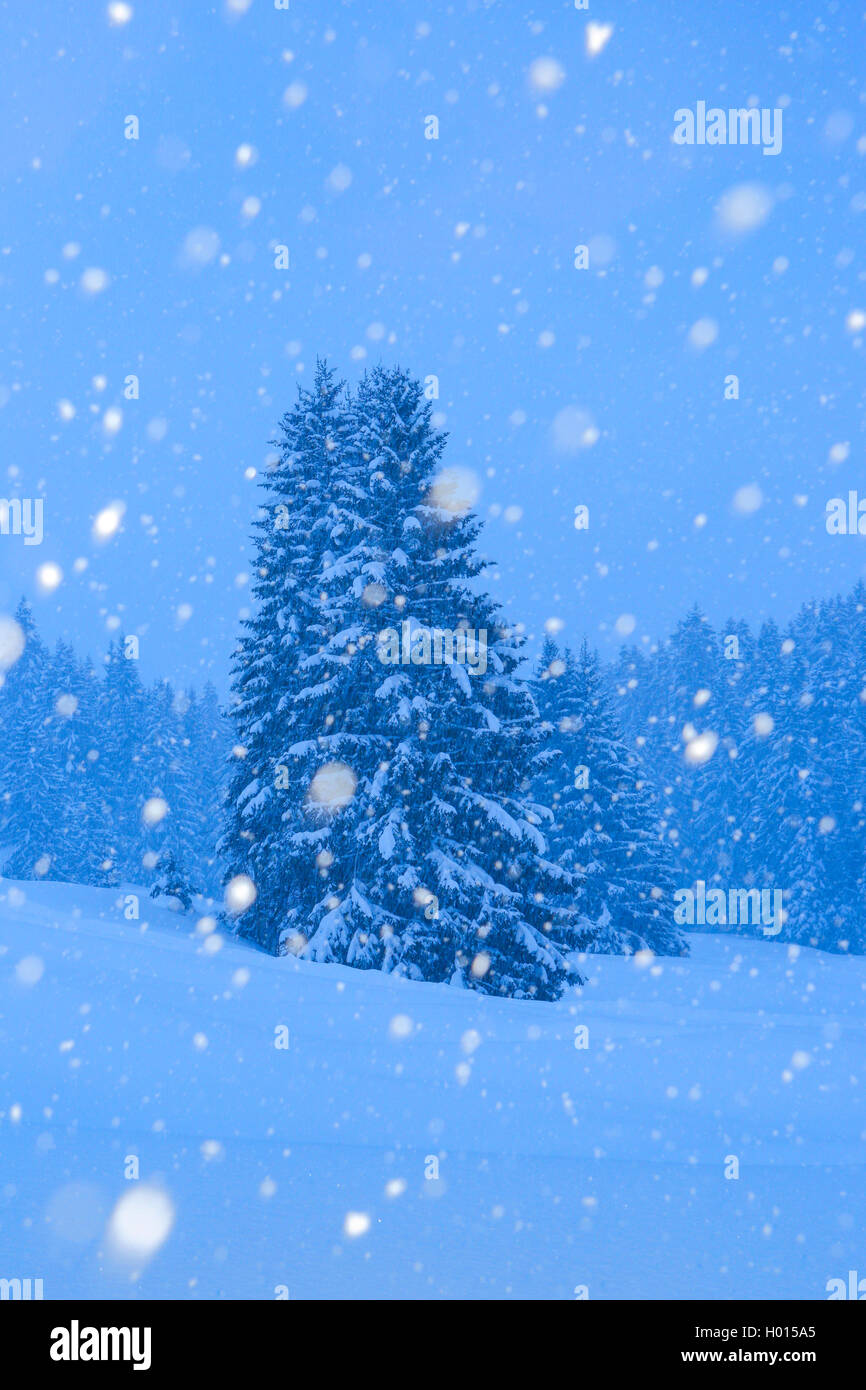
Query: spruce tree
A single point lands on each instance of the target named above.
(31, 769)
(408, 840)
(78, 835)
(762, 699)
(812, 779)
(281, 681)
(172, 880)
(443, 816)
(606, 834)
(122, 772)
(82, 756)
(205, 744)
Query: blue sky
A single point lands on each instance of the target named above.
(453, 257)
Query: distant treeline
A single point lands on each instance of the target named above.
(756, 746)
(100, 775)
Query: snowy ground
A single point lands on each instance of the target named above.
(559, 1167)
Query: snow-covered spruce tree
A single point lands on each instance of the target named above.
(439, 850)
(761, 693)
(172, 880)
(181, 755)
(82, 756)
(673, 708)
(700, 750)
(715, 826)
(77, 849)
(606, 834)
(281, 686)
(30, 771)
(121, 767)
(206, 746)
(165, 825)
(550, 775)
(408, 840)
(850, 742)
(811, 834)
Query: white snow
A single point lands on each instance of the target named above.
(744, 207)
(559, 1165)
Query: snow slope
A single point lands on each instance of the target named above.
(559, 1167)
